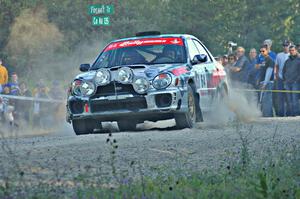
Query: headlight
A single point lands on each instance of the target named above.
(102, 77)
(162, 81)
(141, 85)
(83, 88)
(125, 75)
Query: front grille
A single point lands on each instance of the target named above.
(114, 88)
(131, 104)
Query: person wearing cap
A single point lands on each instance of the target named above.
(279, 63)
(291, 77)
(3, 74)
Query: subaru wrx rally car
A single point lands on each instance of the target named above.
(149, 77)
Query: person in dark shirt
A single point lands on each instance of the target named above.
(266, 81)
(261, 59)
(253, 73)
(291, 78)
(239, 70)
(14, 84)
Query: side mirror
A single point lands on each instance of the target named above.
(84, 67)
(199, 59)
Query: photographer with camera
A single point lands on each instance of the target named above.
(231, 44)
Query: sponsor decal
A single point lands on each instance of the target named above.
(179, 71)
(144, 42)
(217, 75)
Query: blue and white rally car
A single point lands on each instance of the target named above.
(148, 77)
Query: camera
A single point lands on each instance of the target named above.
(232, 44)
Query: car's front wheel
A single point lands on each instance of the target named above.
(188, 119)
(127, 125)
(84, 126)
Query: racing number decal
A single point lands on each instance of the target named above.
(203, 80)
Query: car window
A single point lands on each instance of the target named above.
(192, 49)
(104, 60)
(202, 50)
(148, 54)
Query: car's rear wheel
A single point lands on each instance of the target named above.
(84, 126)
(188, 119)
(127, 125)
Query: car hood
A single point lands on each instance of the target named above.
(148, 71)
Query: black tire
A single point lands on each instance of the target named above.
(83, 126)
(188, 119)
(126, 125)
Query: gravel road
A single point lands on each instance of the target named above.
(62, 155)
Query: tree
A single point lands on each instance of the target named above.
(32, 37)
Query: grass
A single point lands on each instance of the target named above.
(243, 174)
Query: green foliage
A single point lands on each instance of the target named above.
(247, 22)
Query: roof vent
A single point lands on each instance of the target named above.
(147, 33)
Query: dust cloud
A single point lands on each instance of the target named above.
(37, 49)
(239, 105)
(38, 53)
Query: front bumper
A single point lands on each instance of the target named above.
(152, 110)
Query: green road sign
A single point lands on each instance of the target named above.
(101, 9)
(100, 21)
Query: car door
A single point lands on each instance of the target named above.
(215, 70)
(203, 74)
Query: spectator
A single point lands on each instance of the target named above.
(298, 48)
(231, 62)
(266, 79)
(218, 59)
(272, 55)
(24, 106)
(39, 82)
(3, 74)
(56, 92)
(7, 107)
(279, 63)
(40, 109)
(6, 90)
(14, 90)
(14, 84)
(253, 75)
(224, 60)
(291, 77)
(239, 70)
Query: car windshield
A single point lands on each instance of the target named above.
(133, 52)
